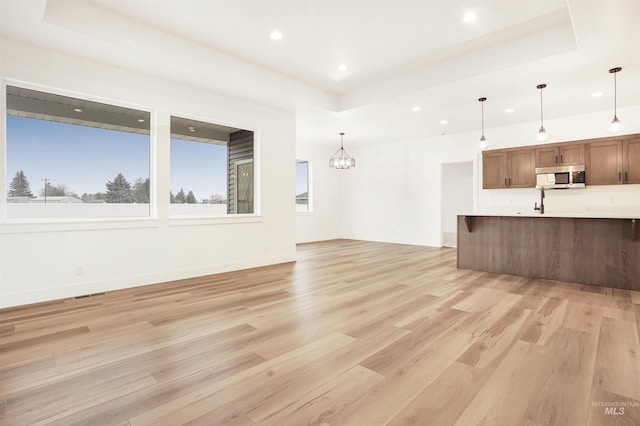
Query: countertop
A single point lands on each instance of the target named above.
(581, 215)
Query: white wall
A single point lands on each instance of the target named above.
(323, 222)
(38, 261)
(394, 195)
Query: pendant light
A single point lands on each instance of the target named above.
(341, 160)
(615, 125)
(542, 133)
(483, 140)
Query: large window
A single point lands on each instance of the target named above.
(211, 169)
(73, 158)
(303, 199)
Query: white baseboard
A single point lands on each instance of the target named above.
(101, 286)
(317, 238)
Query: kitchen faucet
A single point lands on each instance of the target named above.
(541, 208)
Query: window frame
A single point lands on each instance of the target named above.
(309, 189)
(233, 218)
(46, 224)
(158, 208)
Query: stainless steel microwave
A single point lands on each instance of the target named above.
(561, 177)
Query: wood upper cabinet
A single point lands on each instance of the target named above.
(547, 157)
(509, 169)
(604, 162)
(563, 155)
(631, 159)
(522, 165)
(494, 170)
(609, 161)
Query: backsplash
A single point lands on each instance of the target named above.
(593, 199)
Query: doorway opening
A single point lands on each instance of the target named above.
(457, 198)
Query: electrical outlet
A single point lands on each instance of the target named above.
(79, 270)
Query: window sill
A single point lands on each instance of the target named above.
(213, 220)
(18, 226)
(309, 213)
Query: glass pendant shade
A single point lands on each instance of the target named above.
(542, 135)
(616, 125)
(483, 142)
(341, 160)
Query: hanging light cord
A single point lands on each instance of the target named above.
(541, 114)
(615, 120)
(541, 86)
(615, 94)
(481, 100)
(482, 105)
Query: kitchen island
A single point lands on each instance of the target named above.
(582, 248)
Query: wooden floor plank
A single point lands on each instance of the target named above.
(402, 351)
(41, 405)
(218, 393)
(563, 395)
(431, 309)
(388, 398)
(617, 367)
(460, 381)
(504, 398)
(262, 402)
(496, 341)
(391, 315)
(325, 400)
(480, 321)
(545, 322)
(583, 317)
(163, 392)
(353, 332)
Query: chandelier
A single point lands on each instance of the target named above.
(341, 160)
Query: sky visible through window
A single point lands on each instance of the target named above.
(84, 158)
(199, 167)
(302, 168)
(81, 158)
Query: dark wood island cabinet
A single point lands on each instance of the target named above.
(599, 251)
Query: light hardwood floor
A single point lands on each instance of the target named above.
(353, 333)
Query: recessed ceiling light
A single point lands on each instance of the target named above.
(509, 110)
(276, 35)
(191, 129)
(342, 67)
(596, 94)
(444, 122)
(469, 17)
(77, 109)
(140, 120)
(415, 108)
